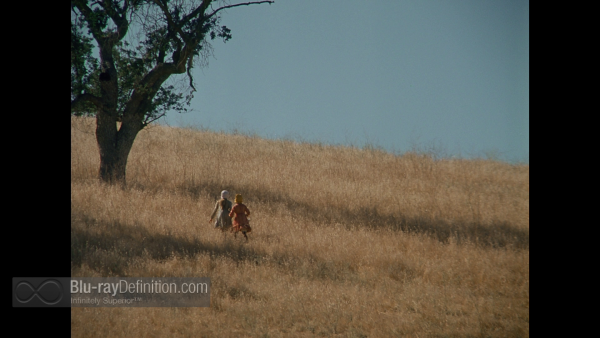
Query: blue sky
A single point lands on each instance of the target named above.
(452, 75)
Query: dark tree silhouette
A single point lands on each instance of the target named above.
(128, 83)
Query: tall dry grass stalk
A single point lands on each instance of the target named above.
(346, 242)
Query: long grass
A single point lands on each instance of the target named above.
(346, 242)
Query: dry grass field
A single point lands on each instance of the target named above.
(346, 242)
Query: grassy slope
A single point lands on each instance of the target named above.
(346, 242)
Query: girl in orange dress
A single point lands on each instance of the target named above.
(239, 214)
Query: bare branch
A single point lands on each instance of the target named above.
(237, 5)
(189, 68)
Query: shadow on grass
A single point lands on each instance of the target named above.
(111, 247)
(498, 234)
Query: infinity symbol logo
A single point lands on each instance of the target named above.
(50, 292)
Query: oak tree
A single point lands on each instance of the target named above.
(141, 44)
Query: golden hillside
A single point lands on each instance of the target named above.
(346, 242)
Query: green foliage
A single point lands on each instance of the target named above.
(166, 99)
(151, 39)
(84, 68)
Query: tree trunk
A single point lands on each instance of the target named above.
(113, 168)
(114, 146)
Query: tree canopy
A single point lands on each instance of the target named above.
(140, 43)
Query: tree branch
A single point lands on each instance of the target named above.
(196, 37)
(86, 97)
(237, 5)
(87, 14)
(170, 20)
(144, 92)
(124, 9)
(189, 68)
(119, 19)
(148, 121)
(200, 10)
